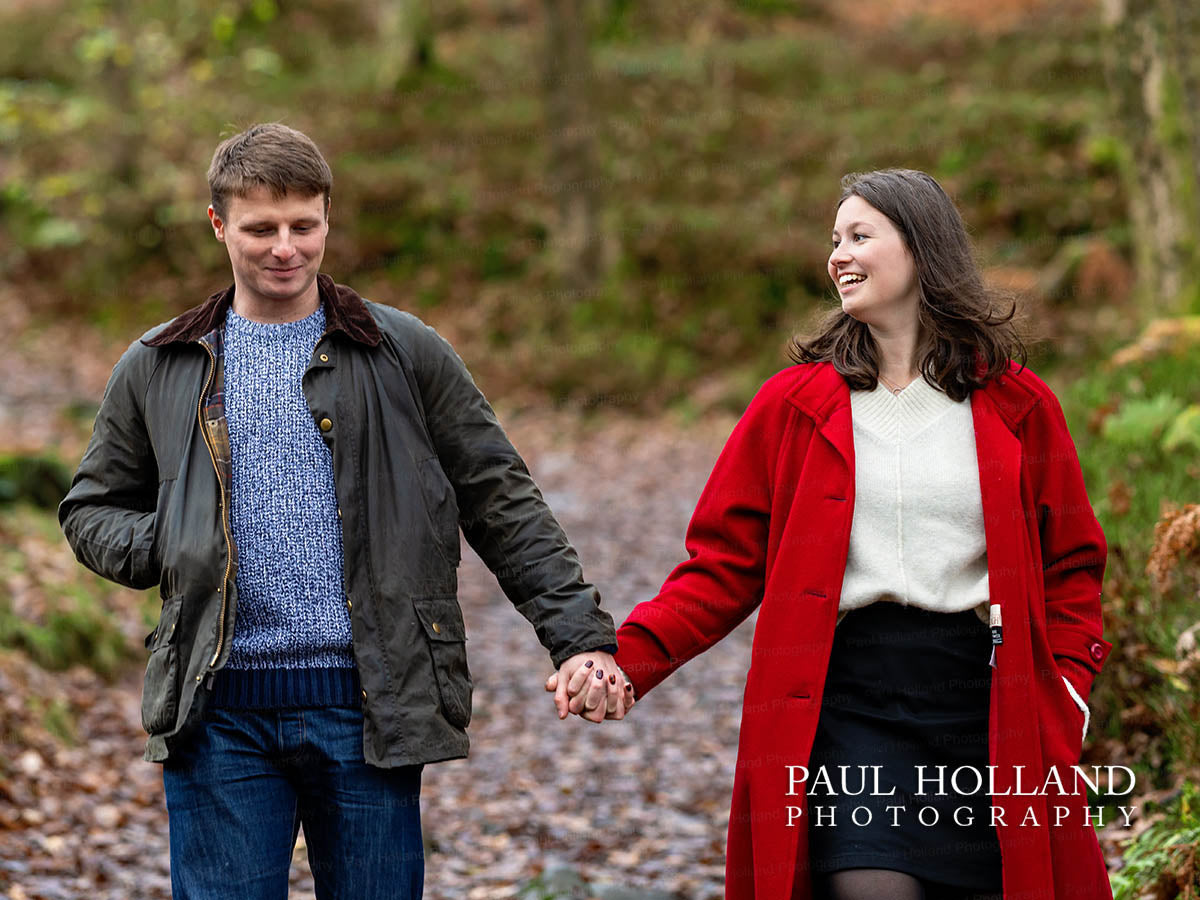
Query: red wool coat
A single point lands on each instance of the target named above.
(772, 530)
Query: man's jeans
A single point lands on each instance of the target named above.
(247, 780)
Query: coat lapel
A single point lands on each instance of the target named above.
(823, 395)
(999, 453)
(997, 411)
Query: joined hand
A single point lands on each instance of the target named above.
(592, 686)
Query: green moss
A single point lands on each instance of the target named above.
(39, 479)
(76, 631)
(74, 622)
(57, 717)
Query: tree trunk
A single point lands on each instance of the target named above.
(1152, 61)
(405, 39)
(576, 241)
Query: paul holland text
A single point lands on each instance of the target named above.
(961, 781)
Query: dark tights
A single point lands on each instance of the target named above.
(886, 884)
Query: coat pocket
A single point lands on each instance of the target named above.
(1061, 723)
(160, 692)
(446, 637)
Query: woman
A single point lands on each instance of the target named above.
(880, 502)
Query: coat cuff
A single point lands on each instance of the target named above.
(1080, 655)
(610, 649)
(642, 657)
(1080, 645)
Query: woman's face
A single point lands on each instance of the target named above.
(872, 268)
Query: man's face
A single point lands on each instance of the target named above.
(275, 247)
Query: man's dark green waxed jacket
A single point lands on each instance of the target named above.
(417, 452)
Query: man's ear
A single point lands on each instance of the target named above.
(217, 223)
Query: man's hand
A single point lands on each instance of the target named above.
(591, 685)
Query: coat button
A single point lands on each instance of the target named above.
(339, 512)
(437, 629)
(349, 604)
(324, 357)
(326, 424)
(364, 693)
(1097, 652)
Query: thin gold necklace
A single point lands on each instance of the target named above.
(890, 385)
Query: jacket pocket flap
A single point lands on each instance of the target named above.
(441, 618)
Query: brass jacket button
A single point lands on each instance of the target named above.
(437, 629)
(326, 424)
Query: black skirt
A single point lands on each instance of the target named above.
(905, 688)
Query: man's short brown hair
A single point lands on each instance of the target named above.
(281, 159)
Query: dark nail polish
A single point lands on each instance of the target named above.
(600, 673)
(588, 664)
(612, 679)
(628, 686)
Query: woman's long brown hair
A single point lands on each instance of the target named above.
(965, 339)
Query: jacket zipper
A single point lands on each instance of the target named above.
(224, 522)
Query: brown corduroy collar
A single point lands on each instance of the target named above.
(344, 312)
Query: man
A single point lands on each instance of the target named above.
(290, 465)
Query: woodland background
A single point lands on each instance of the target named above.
(618, 212)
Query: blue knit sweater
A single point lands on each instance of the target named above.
(292, 641)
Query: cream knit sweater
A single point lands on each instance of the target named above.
(917, 534)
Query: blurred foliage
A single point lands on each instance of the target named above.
(56, 614)
(1141, 422)
(1134, 418)
(39, 479)
(56, 717)
(721, 135)
(77, 633)
(1162, 862)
